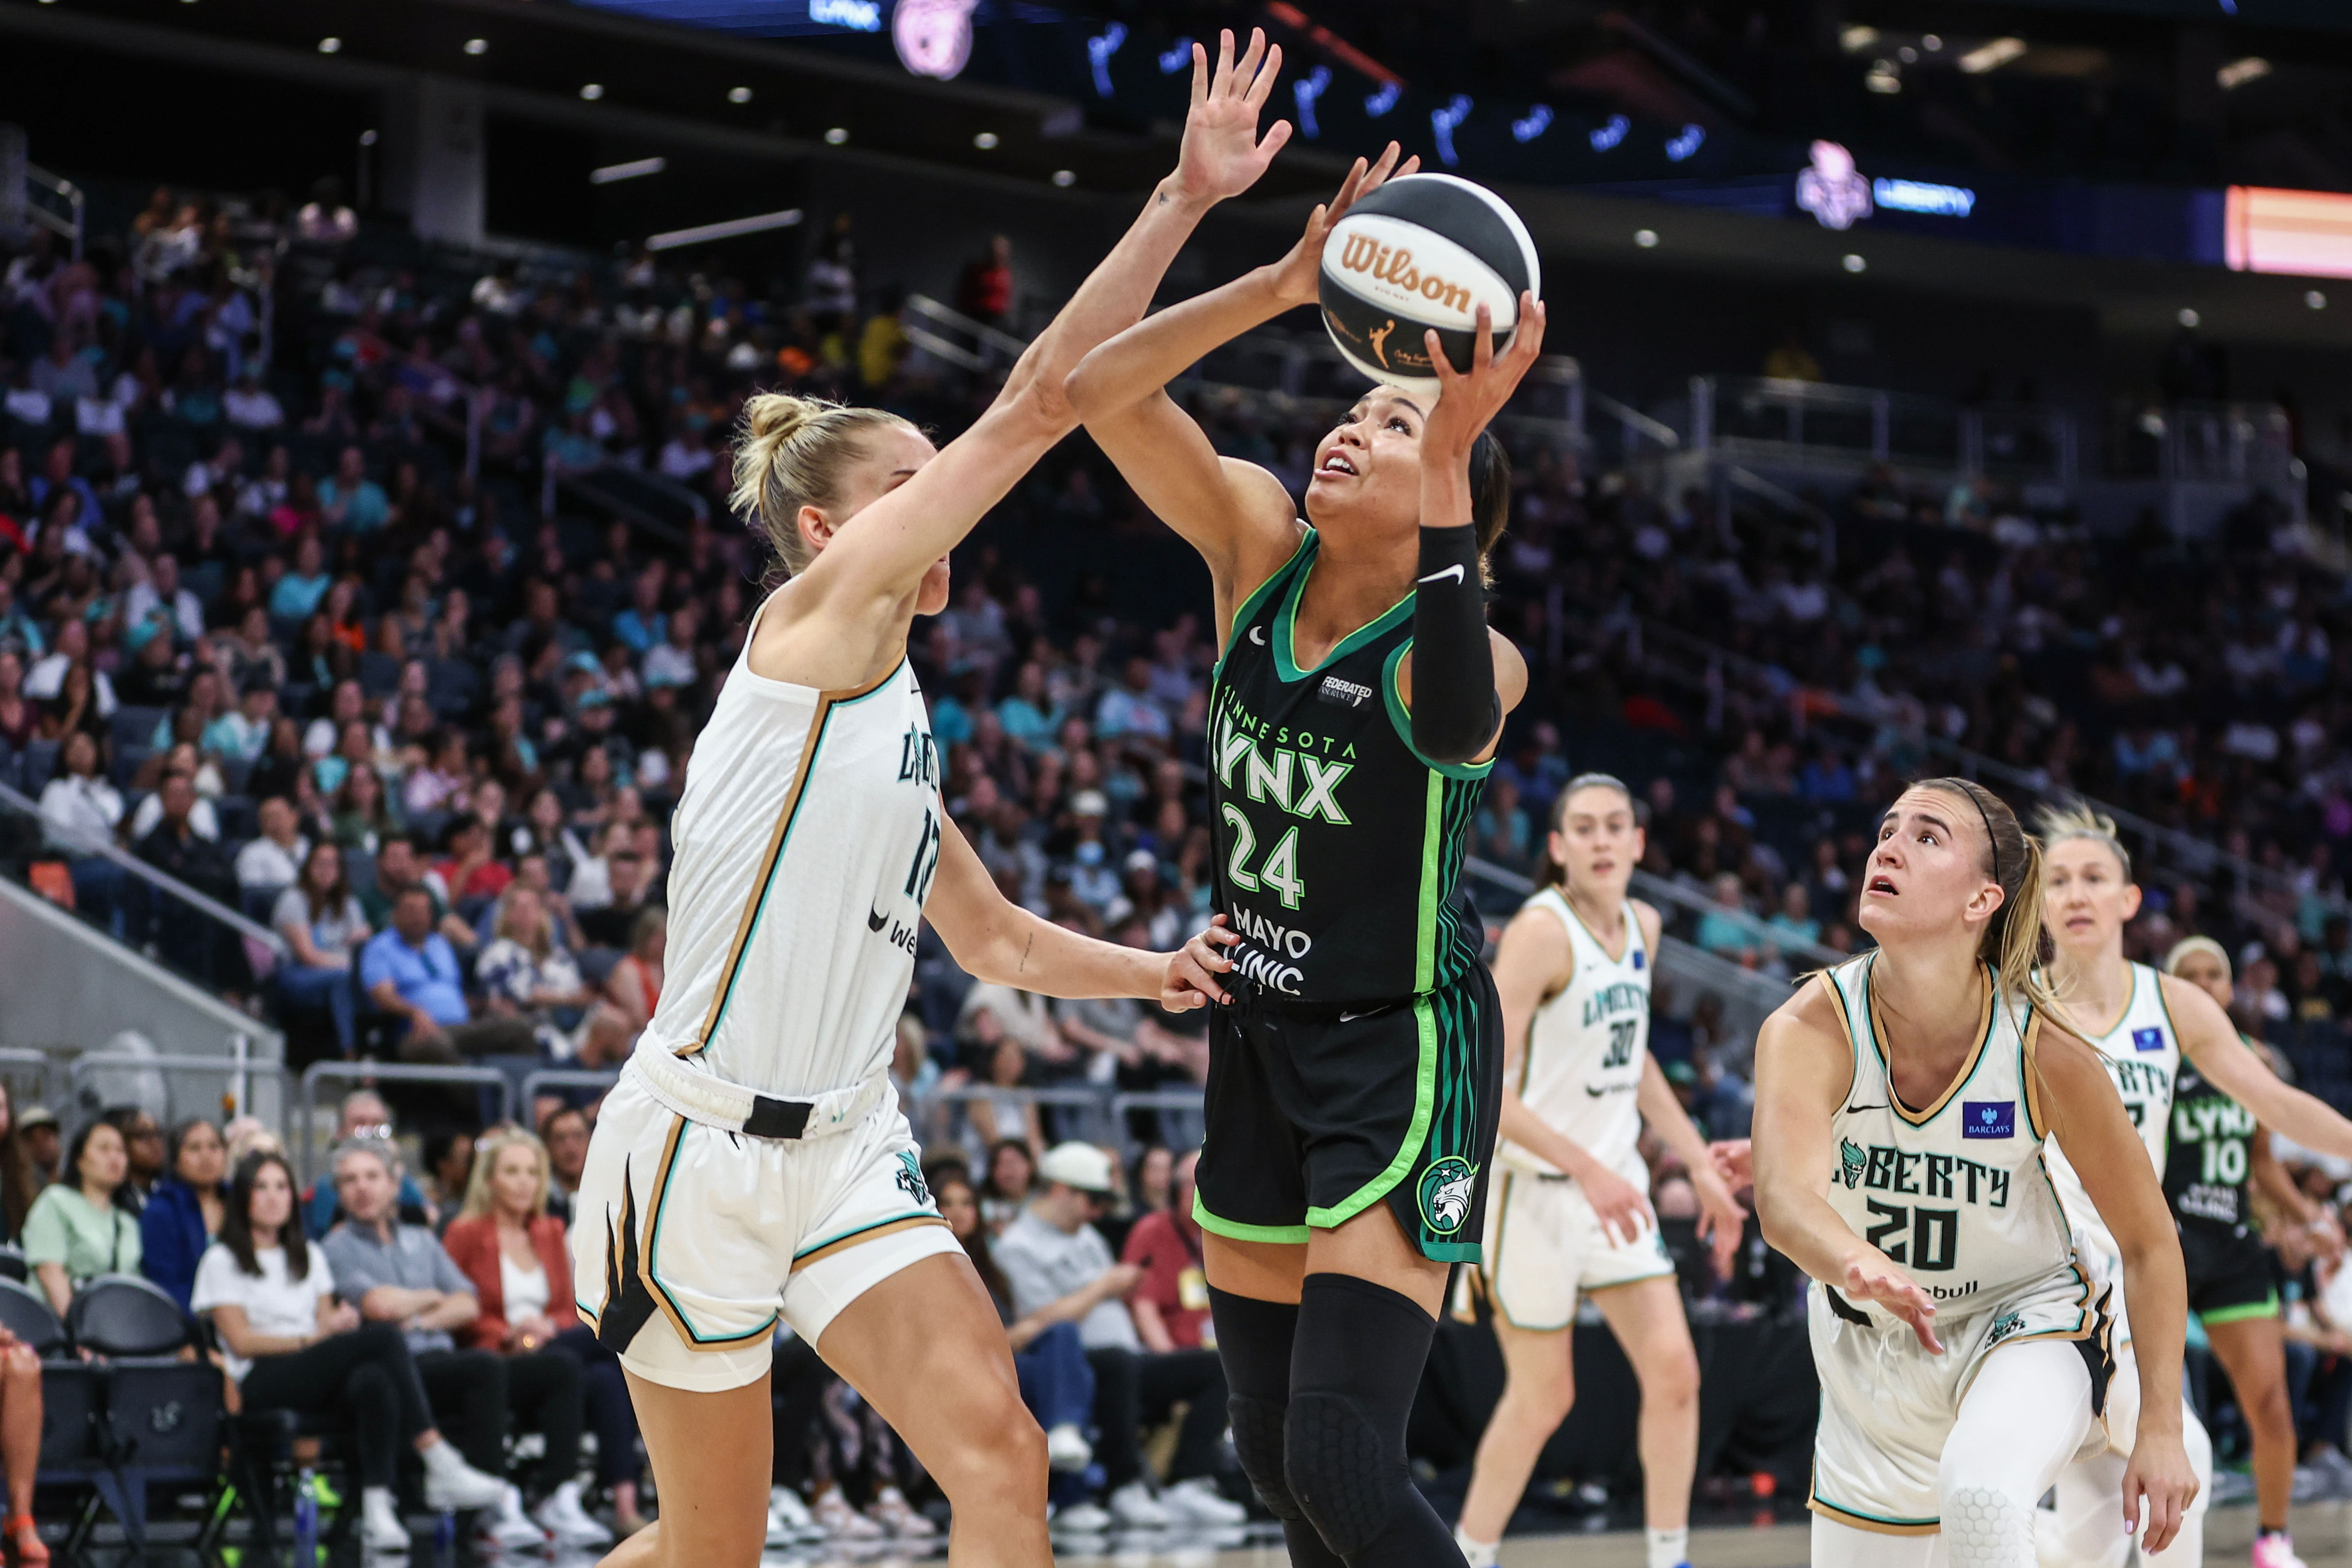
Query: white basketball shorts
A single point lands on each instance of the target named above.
(691, 1242)
(1545, 1244)
(1887, 1406)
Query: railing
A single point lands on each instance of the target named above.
(236, 1073)
(1811, 425)
(928, 324)
(2210, 443)
(534, 1084)
(40, 183)
(42, 1063)
(305, 1120)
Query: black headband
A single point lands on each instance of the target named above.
(1991, 838)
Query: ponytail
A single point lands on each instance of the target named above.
(1552, 874)
(2013, 943)
(791, 452)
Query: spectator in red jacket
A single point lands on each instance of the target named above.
(1171, 1301)
(513, 1251)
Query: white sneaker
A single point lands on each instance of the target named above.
(506, 1526)
(1136, 1509)
(789, 1522)
(893, 1512)
(1067, 1450)
(1476, 1554)
(843, 1522)
(453, 1486)
(562, 1517)
(380, 1529)
(1081, 1518)
(1198, 1502)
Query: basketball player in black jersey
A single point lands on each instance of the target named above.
(1354, 1078)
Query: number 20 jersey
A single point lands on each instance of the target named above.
(1585, 1047)
(806, 840)
(1954, 1192)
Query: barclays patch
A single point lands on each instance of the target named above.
(1989, 1119)
(2149, 1039)
(1640, 958)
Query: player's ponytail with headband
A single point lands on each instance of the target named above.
(2014, 942)
(790, 452)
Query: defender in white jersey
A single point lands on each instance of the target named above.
(2149, 1028)
(753, 1166)
(1570, 1211)
(1903, 1101)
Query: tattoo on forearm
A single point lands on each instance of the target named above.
(1023, 967)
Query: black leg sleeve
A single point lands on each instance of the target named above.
(1254, 1341)
(1456, 709)
(1360, 1351)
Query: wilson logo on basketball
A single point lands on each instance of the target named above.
(1393, 266)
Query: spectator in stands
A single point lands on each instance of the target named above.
(411, 972)
(1725, 929)
(1053, 1251)
(1003, 1112)
(183, 1217)
(195, 944)
(43, 1140)
(21, 1180)
(1170, 1300)
(363, 1116)
(449, 1166)
(633, 987)
(1056, 1383)
(144, 1147)
(400, 1274)
(1012, 1171)
(82, 1227)
(564, 1131)
(985, 293)
(607, 923)
(322, 923)
(513, 1250)
(527, 976)
(290, 1343)
(269, 864)
(352, 502)
(1153, 1183)
(79, 812)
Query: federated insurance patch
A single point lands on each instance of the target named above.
(1989, 1119)
(1445, 1189)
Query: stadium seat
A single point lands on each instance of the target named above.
(159, 1415)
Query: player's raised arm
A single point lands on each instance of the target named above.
(2209, 1040)
(1235, 514)
(884, 549)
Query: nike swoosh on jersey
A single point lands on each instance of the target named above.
(1858, 1110)
(1454, 572)
(876, 920)
(1610, 1088)
(1351, 1017)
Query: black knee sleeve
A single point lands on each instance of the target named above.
(1253, 1339)
(1358, 1364)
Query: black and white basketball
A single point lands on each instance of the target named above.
(1420, 252)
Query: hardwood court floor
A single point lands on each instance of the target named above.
(2323, 1539)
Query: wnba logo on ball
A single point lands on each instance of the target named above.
(1393, 266)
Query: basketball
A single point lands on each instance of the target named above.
(1420, 252)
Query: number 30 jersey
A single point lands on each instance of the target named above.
(1585, 1049)
(1954, 1192)
(806, 840)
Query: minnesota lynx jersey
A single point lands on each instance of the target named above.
(1954, 1191)
(1338, 848)
(2142, 1054)
(806, 840)
(1582, 1067)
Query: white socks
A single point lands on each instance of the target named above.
(1668, 1548)
(1478, 1553)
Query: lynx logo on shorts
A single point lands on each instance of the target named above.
(1989, 1119)
(1445, 1189)
(1850, 1160)
(909, 1179)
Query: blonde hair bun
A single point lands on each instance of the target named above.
(792, 452)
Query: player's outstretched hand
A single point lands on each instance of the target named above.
(2159, 1472)
(1192, 969)
(1223, 155)
(1468, 401)
(1734, 1161)
(1298, 276)
(1873, 1277)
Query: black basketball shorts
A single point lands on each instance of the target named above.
(1315, 1113)
(2229, 1271)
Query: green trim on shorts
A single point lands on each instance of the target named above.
(2246, 1314)
(1449, 1251)
(1234, 1230)
(1424, 1100)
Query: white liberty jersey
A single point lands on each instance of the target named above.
(2142, 1054)
(1954, 1192)
(806, 840)
(1585, 1047)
